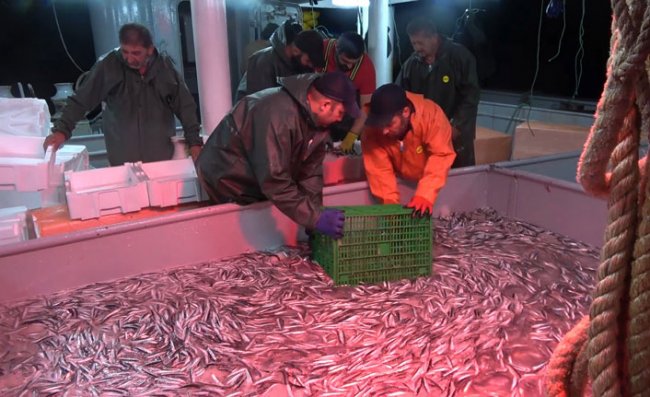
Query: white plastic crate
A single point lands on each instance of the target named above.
(171, 182)
(13, 225)
(25, 167)
(104, 191)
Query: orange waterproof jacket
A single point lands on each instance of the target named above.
(425, 155)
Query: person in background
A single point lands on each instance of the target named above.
(410, 136)
(347, 54)
(263, 42)
(271, 146)
(288, 55)
(444, 72)
(142, 91)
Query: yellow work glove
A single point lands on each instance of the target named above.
(347, 145)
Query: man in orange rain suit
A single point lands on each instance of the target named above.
(409, 136)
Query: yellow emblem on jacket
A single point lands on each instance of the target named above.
(419, 149)
(445, 79)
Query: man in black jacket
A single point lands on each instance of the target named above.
(444, 72)
(288, 55)
(271, 146)
(142, 91)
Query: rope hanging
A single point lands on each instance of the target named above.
(614, 340)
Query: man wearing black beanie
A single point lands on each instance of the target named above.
(287, 56)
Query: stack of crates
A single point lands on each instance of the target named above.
(131, 187)
(380, 243)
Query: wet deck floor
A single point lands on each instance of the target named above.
(502, 295)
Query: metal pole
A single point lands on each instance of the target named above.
(378, 40)
(212, 61)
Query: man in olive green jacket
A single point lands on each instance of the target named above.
(271, 146)
(142, 91)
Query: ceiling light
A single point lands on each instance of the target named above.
(351, 3)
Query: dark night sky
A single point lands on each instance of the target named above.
(32, 52)
(511, 27)
(30, 46)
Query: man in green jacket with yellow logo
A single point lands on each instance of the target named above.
(444, 72)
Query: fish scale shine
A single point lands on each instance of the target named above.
(500, 296)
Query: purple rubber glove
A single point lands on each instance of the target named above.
(331, 223)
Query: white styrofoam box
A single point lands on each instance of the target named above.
(104, 191)
(24, 116)
(21, 146)
(13, 225)
(25, 167)
(171, 182)
(54, 195)
(23, 174)
(67, 158)
(32, 147)
(73, 157)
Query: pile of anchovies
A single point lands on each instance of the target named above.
(501, 296)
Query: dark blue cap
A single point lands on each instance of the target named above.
(338, 86)
(387, 101)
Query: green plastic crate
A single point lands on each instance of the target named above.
(380, 243)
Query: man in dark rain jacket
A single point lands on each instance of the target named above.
(142, 92)
(287, 56)
(271, 146)
(444, 72)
